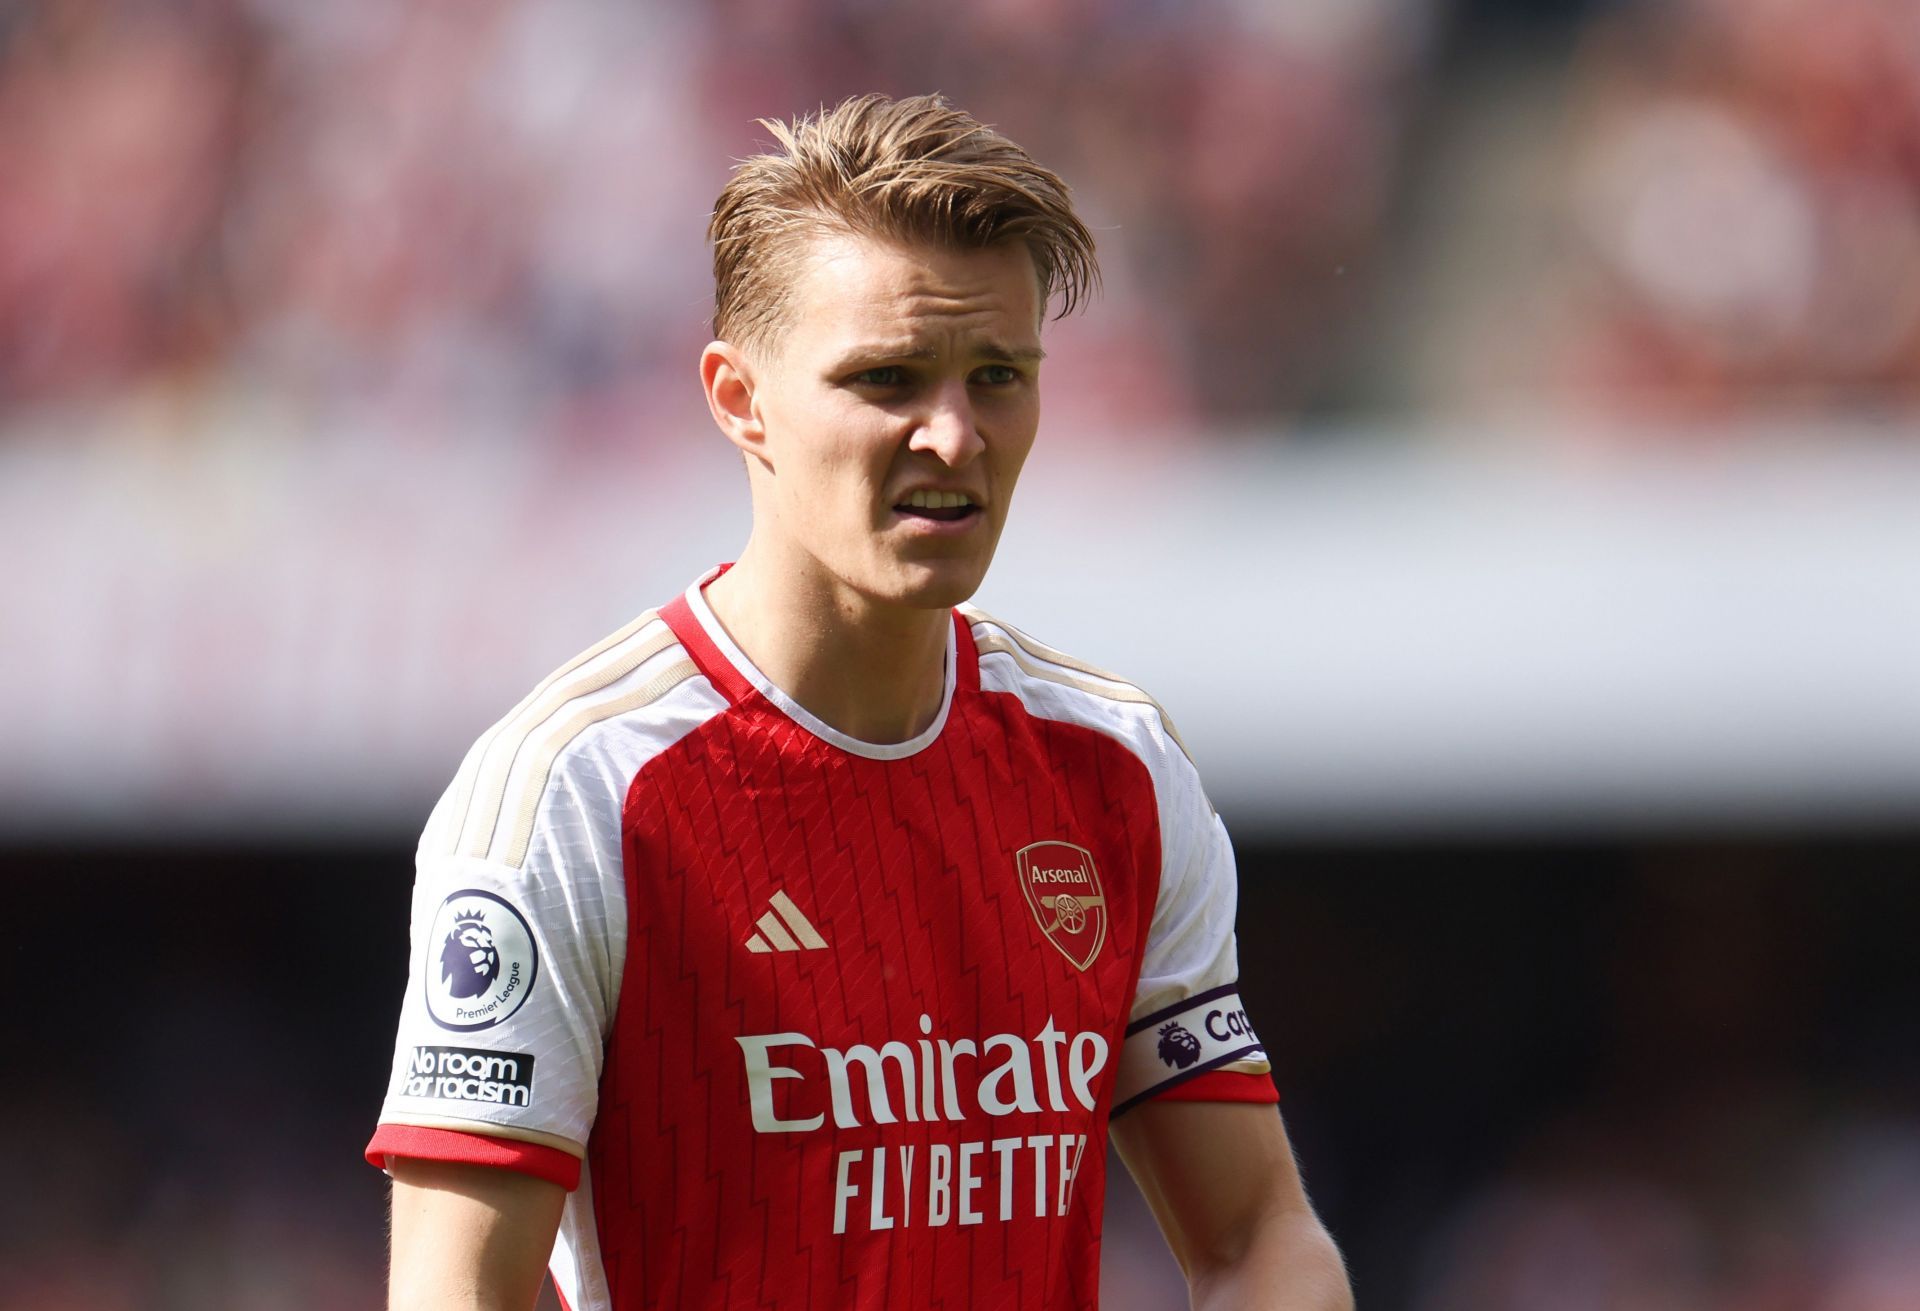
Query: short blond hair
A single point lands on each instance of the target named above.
(913, 170)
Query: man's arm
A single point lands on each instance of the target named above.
(472, 1237)
(1221, 1180)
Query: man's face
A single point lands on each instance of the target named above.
(898, 403)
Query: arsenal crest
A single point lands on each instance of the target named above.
(1063, 890)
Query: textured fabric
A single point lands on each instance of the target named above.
(832, 1024)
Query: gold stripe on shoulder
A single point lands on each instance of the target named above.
(540, 768)
(1039, 664)
(486, 784)
(1039, 650)
(485, 1129)
(463, 794)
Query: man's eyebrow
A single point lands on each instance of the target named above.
(1013, 354)
(881, 350)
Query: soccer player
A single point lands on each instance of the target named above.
(797, 945)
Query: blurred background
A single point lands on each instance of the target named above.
(1498, 443)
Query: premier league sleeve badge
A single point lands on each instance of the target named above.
(481, 961)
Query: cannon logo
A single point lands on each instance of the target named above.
(1062, 888)
(481, 962)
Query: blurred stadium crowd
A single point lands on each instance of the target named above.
(1770, 1205)
(443, 214)
(1745, 204)
(435, 220)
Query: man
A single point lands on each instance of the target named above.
(793, 946)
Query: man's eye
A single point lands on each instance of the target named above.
(887, 375)
(998, 375)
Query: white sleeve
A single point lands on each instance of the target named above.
(1187, 1019)
(513, 978)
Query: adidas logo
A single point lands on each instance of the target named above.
(784, 928)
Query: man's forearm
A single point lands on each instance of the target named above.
(1288, 1264)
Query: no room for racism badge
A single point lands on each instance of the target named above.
(481, 962)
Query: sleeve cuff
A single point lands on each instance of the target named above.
(1222, 1086)
(549, 1163)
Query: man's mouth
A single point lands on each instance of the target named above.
(942, 507)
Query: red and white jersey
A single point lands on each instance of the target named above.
(805, 1021)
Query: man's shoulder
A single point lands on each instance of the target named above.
(586, 728)
(1049, 680)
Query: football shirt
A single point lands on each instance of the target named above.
(806, 1021)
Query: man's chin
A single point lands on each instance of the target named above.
(935, 585)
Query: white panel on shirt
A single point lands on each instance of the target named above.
(515, 968)
(578, 1272)
(1186, 1017)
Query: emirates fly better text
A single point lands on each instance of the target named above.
(934, 1080)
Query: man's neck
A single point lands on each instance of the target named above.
(876, 673)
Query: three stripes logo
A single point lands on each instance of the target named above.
(784, 928)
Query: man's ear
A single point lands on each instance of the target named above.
(728, 376)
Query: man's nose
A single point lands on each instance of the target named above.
(947, 428)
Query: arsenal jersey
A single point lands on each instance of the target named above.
(803, 1021)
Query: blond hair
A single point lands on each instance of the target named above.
(912, 170)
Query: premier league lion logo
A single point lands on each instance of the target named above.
(469, 961)
(488, 961)
(1178, 1047)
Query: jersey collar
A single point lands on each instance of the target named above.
(736, 677)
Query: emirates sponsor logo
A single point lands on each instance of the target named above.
(794, 1085)
(965, 1183)
(928, 1079)
(1062, 889)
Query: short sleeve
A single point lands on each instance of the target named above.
(512, 981)
(1188, 1035)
